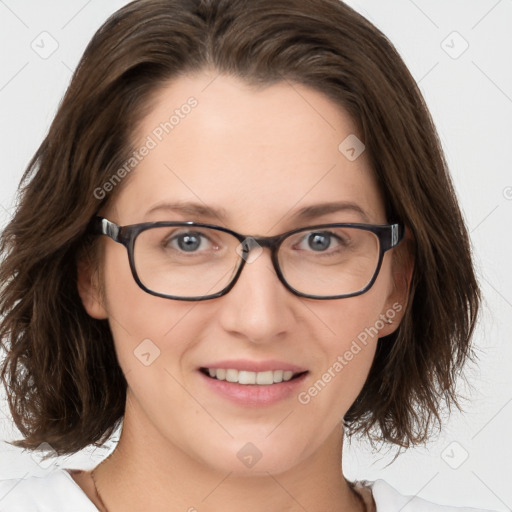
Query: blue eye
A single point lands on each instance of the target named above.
(320, 241)
(188, 242)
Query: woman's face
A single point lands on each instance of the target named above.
(260, 157)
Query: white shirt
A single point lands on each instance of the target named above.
(58, 492)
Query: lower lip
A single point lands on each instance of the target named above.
(254, 395)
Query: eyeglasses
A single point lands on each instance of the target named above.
(195, 261)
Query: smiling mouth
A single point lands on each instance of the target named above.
(246, 378)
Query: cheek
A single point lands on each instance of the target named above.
(353, 318)
(347, 340)
(142, 324)
(352, 337)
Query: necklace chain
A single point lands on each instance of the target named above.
(98, 493)
(100, 499)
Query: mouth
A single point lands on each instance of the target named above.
(244, 377)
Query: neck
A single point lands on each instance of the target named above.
(172, 480)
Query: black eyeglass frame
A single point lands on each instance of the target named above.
(389, 236)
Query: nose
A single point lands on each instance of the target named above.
(258, 308)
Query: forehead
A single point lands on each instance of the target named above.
(259, 155)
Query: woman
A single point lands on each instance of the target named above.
(240, 240)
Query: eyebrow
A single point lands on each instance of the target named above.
(198, 210)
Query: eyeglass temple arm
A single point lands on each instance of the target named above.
(396, 235)
(102, 226)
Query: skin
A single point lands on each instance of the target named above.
(262, 155)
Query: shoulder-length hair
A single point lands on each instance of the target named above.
(62, 377)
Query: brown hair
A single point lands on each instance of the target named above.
(64, 384)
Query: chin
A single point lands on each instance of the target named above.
(246, 458)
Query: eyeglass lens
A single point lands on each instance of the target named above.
(191, 261)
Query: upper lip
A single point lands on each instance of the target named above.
(255, 366)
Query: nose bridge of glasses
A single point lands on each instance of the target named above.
(250, 242)
(252, 247)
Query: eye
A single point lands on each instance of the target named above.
(320, 241)
(189, 241)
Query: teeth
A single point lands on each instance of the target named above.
(287, 375)
(232, 375)
(245, 377)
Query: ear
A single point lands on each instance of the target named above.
(402, 268)
(89, 289)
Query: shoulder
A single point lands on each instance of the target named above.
(388, 499)
(55, 491)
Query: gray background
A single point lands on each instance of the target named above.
(460, 52)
